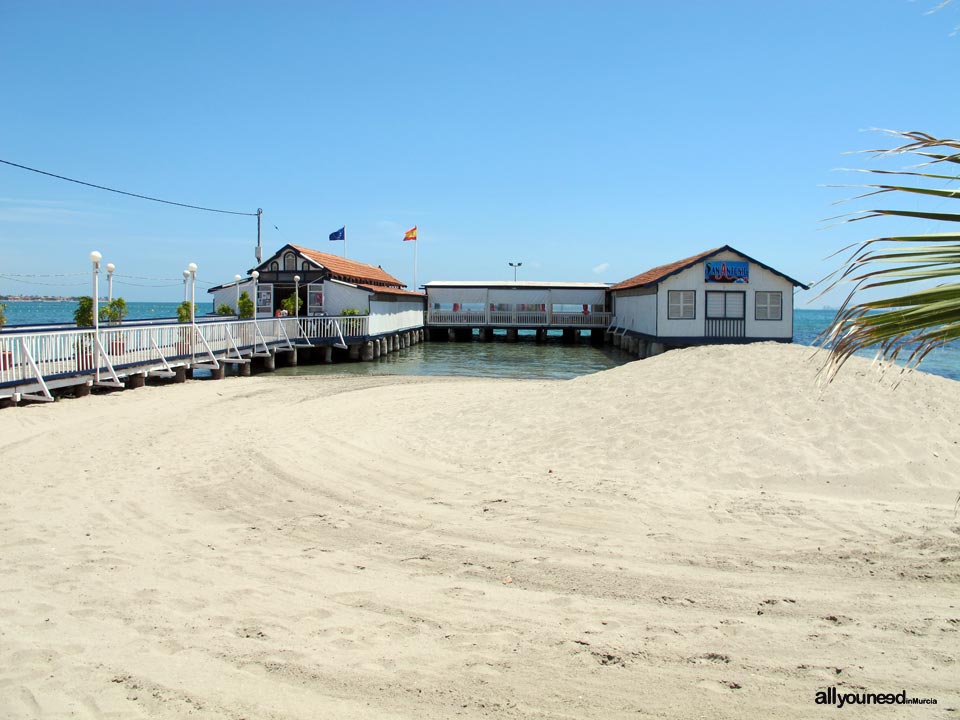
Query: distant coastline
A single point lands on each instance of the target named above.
(37, 298)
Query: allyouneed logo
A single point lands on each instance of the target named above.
(830, 696)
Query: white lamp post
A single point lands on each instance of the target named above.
(296, 296)
(110, 268)
(256, 299)
(186, 276)
(95, 258)
(238, 278)
(514, 266)
(192, 268)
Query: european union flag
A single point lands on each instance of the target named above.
(340, 234)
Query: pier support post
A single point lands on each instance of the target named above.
(366, 351)
(390, 343)
(270, 363)
(541, 335)
(375, 349)
(396, 342)
(293, 358)
(486, 334)
(328, 354)
(617, 340)
(137, 380)
(180, 374)
(218, 373)
(656, 348)
(451, 335)
(383, 346)
(244, 368)
(569, 335)
(354, 351)
(511, 335)
(81, 390)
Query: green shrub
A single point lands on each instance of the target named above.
(354, 311)
(3, 315)
(183, 311)
(291, 304)
(114, 311)
(83, 313)
(224, 309)
(246, 306)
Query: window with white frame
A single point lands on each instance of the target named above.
(681, 304)
(769, 305)
(725, 305)
(289, 261)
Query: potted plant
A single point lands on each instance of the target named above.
(83, 317)
(291, 304)
(183, 316)
(6, 356)
(246, 306)
(113, 313)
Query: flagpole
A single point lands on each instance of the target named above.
(344, 240)
(415, 243)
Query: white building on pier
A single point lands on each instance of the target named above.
(717, 296)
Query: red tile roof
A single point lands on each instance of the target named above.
(350, 270)
(392, 291)
(658, 273)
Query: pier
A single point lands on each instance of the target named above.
(34, 363)
(455, 309)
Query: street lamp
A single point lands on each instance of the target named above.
(296, 296)
(110, 268)
(256, 299)
(514, 266)
(186, 276)
(95, 258)
(238, 278)
(192, 269)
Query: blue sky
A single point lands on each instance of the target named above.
(588, 140)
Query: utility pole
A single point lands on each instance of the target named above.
(259, 253)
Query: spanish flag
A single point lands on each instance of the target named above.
(410, 234)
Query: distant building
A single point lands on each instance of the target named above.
(717, 296)
(329, 285)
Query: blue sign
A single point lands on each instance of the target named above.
(726, 271)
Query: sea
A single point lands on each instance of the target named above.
(550, 360)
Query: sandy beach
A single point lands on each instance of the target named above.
(706, 533)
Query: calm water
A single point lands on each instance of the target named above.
(38, 313)
(524, 359)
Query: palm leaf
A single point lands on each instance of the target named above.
(918, 320)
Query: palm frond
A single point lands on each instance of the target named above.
(913, 323)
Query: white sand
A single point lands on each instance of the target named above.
(702, 534)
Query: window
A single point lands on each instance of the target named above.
(769, 305)
(289, 262)
(681, 304)
(725, 305)
(274, 266)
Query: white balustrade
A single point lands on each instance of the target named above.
(61, 353)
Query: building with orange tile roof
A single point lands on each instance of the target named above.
(716, 296)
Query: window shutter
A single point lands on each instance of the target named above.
(714, 304)
(734, 305)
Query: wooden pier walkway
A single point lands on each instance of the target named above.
(33, 363)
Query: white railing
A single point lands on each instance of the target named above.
(61, 353)
(523, 318)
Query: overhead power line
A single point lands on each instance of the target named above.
(123, 192)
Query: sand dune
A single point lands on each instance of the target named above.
(701, 534)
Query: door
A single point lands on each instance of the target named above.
(726, 315)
